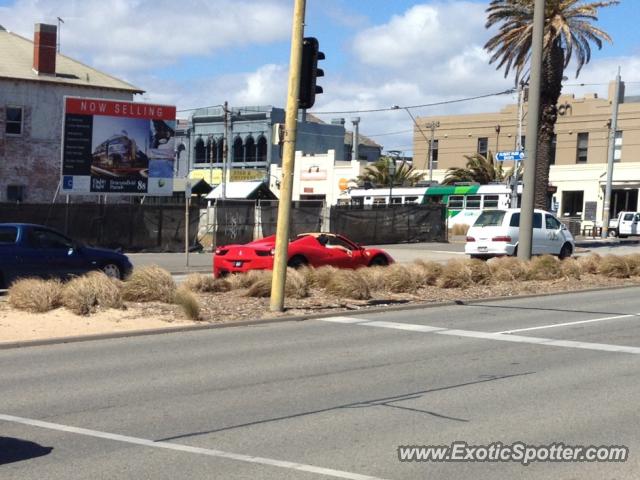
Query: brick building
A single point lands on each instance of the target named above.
(34, 79)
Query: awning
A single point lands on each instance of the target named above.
(243, 190)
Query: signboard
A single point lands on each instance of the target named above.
(117, 147)
(313, 173)
(510, 156)
(214, 176)
(590, 211)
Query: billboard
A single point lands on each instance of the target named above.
(117, 147)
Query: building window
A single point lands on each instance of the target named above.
(15, 193)
(200, 151)
(523, 142)
(583, 147)
(238, 150)
(211, 150)
(434, 154)
(554, 144)
(572, 203)
(250, 147)
(220, 151)
(617, 152)
(13, 121)
(262, 149)
(483, 146)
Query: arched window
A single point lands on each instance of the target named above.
(262, 149)
(238, 150)
(199, 151)
(220, 153)
(250, 147)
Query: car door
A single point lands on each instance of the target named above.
(626, 224)
(538, 237)
(554, 239)
(60, 256)
(339, 253)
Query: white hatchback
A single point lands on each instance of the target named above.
(495, 233)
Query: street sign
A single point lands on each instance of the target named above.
(509, 156)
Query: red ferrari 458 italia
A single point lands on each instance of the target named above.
(313, 249)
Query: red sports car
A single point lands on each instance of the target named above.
(313, 249)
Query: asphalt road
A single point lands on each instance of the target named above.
(333, 398)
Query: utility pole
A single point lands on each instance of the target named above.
(529, 188)
(610, 154)
(516, 163)
(288, 161)
(225, 152)
(432, 126)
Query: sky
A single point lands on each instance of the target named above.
(379, 53)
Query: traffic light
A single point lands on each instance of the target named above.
(309, 72)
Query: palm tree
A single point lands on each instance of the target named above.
(568, 33)
(378, 174)
(479, 169)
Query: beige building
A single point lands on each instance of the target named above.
(579, 166)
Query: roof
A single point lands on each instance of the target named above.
(16, 54)
(240, 190)
(348, 136)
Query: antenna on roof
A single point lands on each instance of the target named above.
(60, 22)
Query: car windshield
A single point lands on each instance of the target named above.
(490, 218)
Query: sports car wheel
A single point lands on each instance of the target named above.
(297, 262)
(378, 261)
(112, 270)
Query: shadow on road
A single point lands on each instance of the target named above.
(378, 402)
(16, 450)
(514, 307)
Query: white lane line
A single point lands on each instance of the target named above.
(566, 324)
(188, 449)
(502, 337)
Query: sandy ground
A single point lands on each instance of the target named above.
(234, 306)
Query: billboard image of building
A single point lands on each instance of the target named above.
(117, 147)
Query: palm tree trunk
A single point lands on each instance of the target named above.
(551, 87)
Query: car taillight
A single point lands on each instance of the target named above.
(471, 239)
(272, 252)
(263, 253)
(504, 238)
(221, 251)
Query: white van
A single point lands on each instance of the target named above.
(495, 233)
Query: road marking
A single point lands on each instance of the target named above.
(554, 325)
(502, 337)
(188, 449)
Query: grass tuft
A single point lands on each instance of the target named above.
(296, 285)
(507, 269)
(545, 267)
(84, 295)
(633, 261)
(348, 284)
(456, 274)
(374, 277)
(459, 229)
(590, 263)
(245, 280)
(35, 295)
(614, 266)
(318, 277)
(197, 282)
(480, 271)
(149, 284)
(403, 278)
(429, 271)
(188, 302)
(570, 268)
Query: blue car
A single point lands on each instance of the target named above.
(28, 250)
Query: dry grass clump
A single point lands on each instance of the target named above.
(480, 271)
(429, 271)
(403, 278)
(84, 295)
(296, 285)
(318, 277)
(614, 266)
(459, 229)
(245, 280)
(507, 269)
(374, 277)
(197, 282)
(35, 295)
(589, 263)
(456, 274)
(149, 284)
(544, 267)
(349, 284)
(633, 261)
(570, 268)
(188, 302)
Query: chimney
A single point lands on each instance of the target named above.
(44, 49)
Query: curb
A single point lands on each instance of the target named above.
(292, 318)
(606, 243)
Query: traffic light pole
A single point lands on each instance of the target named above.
(531, 149)
(288, 159)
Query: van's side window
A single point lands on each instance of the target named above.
(515, 220)
(537, 220)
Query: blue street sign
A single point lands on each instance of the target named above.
(506, 156)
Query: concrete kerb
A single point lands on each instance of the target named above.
(292, 318)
